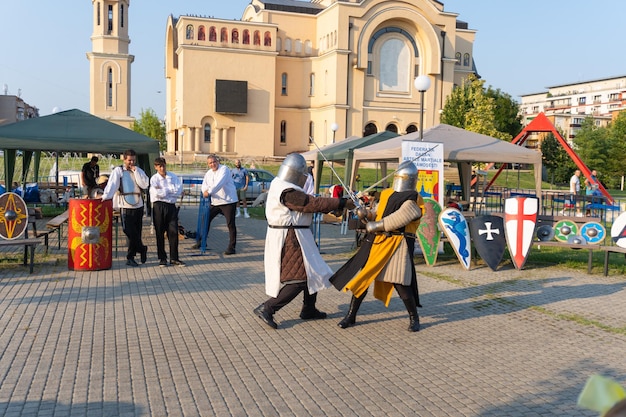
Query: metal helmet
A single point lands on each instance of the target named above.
(405, 178)
(293, 170)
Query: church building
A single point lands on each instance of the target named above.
(291, 74)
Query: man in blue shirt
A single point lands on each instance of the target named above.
(241, 178)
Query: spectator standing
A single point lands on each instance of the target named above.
(165, 189)
(88, 174)
(218, 185)
(574, 183)
(125, 185)
(241, 180)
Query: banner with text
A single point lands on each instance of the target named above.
(428, 157)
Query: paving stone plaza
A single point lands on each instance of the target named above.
(183, 341)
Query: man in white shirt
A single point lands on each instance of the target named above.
(165, 189)
(574, 183)
(218, 185)
(125, 185)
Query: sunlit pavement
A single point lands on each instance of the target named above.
(183, 341)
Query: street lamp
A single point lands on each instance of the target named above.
(422, 83)
(334, 127)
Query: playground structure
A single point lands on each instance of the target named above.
(541, 124)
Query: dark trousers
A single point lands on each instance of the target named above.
(228, 211)
(132, 224)
(287, 293)
(165, 219)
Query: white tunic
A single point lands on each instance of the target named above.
(277, 214)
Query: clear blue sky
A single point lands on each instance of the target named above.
(521, 47)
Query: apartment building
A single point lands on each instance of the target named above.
(14, 109)
(567, 105)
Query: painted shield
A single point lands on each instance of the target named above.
(455, 227)
(488, 236)
(428, 233)
(89, 234)
(618, 230)
(13, 216)
(563, 229)
(593, 232)
(520, 217)
(545, 233)
(576, 240)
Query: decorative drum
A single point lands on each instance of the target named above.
(89, 236)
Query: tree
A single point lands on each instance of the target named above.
(468, 107)
(149, 125)
(556, 160)
(617, 144)
(507, 117)
(593, 147)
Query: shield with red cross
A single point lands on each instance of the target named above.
(520, 217)
(488, 237)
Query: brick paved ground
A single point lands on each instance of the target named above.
(153, 341)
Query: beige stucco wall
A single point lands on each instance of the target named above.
(334, 47)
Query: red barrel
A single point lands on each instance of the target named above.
(89, 234)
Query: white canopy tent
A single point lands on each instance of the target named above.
(460, 146)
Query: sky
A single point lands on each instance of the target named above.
(521, 47)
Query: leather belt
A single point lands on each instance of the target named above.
(287, 227)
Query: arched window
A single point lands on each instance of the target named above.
(394, 66)
(246, 37)
(311, 132)
(411, 129)
(466, 60)
(308, 49)
(312, 84)
(121, 15)
(279, 43)
(283, 132)
(98, 10)
(267, 39)
(257, 38)
(288, 45)
(370, 129)
(212, 34)
(189, 32)
(457, 56)
(201, 34)
(392, 128)
(298, 47)
(110, 87)
(234, 36)
(224, 35)
(207, 133)
(283, 84)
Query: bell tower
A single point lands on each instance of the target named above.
(109, 62)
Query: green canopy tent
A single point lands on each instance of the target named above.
(343, 152)
(70, 131)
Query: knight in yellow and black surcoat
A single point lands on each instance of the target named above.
(386, 254)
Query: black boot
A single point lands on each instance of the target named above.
(350, 318)
(414, 320)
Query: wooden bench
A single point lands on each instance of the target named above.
(27, 243)
(579, 221)
(56, 224)
(608, 249)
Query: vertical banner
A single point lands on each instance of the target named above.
(429, 166)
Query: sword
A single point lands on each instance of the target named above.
(357, 203)
(394, 172)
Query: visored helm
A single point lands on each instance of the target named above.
(405, 178)
(293, 170)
